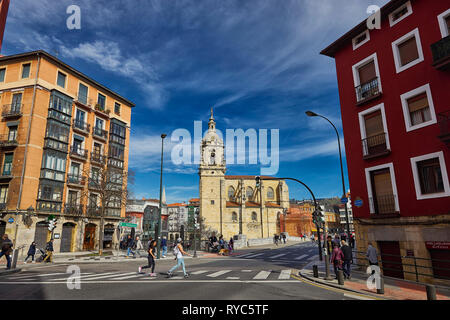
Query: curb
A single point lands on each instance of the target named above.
(342, 288)
(4, 272)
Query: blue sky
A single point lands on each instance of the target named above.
(256, 62)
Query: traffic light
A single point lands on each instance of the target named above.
(52, 224)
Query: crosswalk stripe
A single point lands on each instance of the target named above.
(199, 272)
(177, 278)
(255, 255)
(246, 270)
(107, 276)
(285, 274)
(37, 275)
(233, 278)
(301, 257)
(95, 276)
(312, 258)
(278, 255)
(246, 254)
(262, 275)
(132, 276)
(218, 273)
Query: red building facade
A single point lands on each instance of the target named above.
(394, 87)
(4, 6)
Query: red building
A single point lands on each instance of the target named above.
(4, 6)
(394, 87)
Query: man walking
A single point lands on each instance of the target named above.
(130, 245)
(139, 246)
(372, 255)
(179, 252)
(348, 258)
(6, 250)
(164, 246)
(49, 251)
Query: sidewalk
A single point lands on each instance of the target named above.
(394, 289)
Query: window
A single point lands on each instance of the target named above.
(270, 193)
(418, 108)
(2, 74)
(444, 23)
(382, 190)
(3, 194)
(61, 103)
(54, 161)
(97, 148)
(117, 108)
(430, 176)
(12, 135)
(50, 192)
(7, 164)
(99, 123)
(254, 217)
(61, 81)
(16, 103)
(366, 76)
(407, 51)
(249, 193)
(234, 217)
(57, 131)
(400, 13)
(72, 197)
(80, 119)
(374, 135)
(101, 101)
(95, 175)
(361, 39)
(92, 200)
(212, 201)
(82, 93)
(26, 70)
(231, 193)
(77, 144)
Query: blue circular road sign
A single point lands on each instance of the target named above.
(11, 220)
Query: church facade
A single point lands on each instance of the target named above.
(234, 205)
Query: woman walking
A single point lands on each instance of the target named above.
(31, 252)
(179, 252)
(151, 259)
(337, 259)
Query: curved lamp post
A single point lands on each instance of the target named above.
(313, 114)
(158, 229)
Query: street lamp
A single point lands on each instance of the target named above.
(313, 114)
(158, 230)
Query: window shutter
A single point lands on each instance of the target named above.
(408, 51)
(374, 124)
(418, 102)
(382, 183)
(367, 73)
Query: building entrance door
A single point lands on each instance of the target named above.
(41, 234)
(89, 237)
(67, 237)
(391, 259)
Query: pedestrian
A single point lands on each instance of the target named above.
(179, 253)
(313, 239)
(164, 246)
(372, 256)
(6, 250)
(151, 259)
(139, 246)
(284, 238)
(31, 252)
(329, 246)
(336, 241)
(49, 251)
(130, 245)
(348, 259)
(352, 240)
(231, 243)
(337, 259)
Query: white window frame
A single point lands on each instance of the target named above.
(356, 46)
(404, 97)
(414, 33)
(393, 181)
(391, 15)
(362, 126)
(103, 120)
(356, 67)
(442, 24)
(416, 177)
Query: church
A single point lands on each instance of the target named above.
(234, 205)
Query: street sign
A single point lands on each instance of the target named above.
(358, 202)
(344, 200)
(11, 220)
(126, 224)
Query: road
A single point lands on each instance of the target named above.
(254, 275)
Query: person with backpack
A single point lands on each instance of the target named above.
(6, 250)
(178, 252)
(31, 252)
(337, 259)
(151, 259)
(49, 251)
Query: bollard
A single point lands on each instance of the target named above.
(14, 258)
(380, 288)
(431, 292)
(327, 269)
(340, 277)
(315, 271)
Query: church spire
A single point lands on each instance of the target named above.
(212, 123)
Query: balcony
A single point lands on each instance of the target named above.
(94, 211)
(12, 110)
(98, 158)
(441, 54)
(7, 142)
(99, 133)
(375, 146)
(55, 145)
(76, 180)
(115, 163)
(6, 174)
(48, 205)
(368, 91)
(101, 110)
(83, 100)
(94, 184)
(78, 153)
(73, 209)
(53, 175)
(444, 125)
(112, 212)
(384, 205)
(81, 126)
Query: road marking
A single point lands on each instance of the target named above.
(102, 276)
(181, 280)
(285, 274)
(129, 277)
(245, 255)
(177, 278)
(95, 276)
(348, 295)
(262, 275)
(312, 258)
(42, 275)
(254, 256)
(278, 255)
(233, 278)
(301, 257)
(246, 270)
(37, 275)
(199, 272)
(218, 273)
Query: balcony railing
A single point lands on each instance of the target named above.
(441, 54)
(94, 211)
(78, 152)
(94, 184)
(98, 158)
(116, 163)
(12, 110)
(375, 146)
(83, 99)
(101, 109)
(100, 133)
(8, 142)
(367, 91)
(48, 205)
(53, 114)
(55, 145)
(73, 209)
(444, 125)
(383, 204)
(75, 179)
(81, 125)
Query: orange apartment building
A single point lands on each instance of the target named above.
(59, 129)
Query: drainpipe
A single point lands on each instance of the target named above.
(29, 133)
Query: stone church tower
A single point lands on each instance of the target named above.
(212, 172)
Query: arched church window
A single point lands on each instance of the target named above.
(254, 217)
(270, 193)
(231, 193)
(234, 217)
(249, 193)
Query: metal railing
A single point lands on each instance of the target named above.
(94, 211)
(441, 50)
(383, 204)
(83, 99)
(75, 151)
(6, 141)
(374, 145)
(367, 90)
(75, 179)
(99, 132)
(81, 125)
(73, 209)
(98, 157)
(408, 264)
(12, 110)
(48, 205)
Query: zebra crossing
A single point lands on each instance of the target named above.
(286, 256)
(205, 274)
